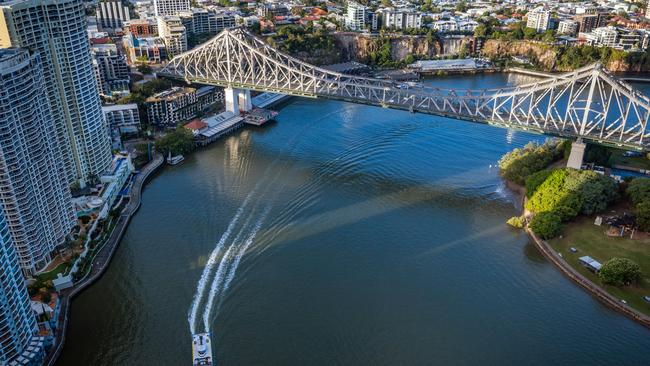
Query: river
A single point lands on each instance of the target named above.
(365, 236)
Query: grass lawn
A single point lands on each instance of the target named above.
(51, 275)
(591, 240)
(637, 162)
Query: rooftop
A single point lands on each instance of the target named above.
(171, 94)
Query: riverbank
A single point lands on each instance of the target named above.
(595, 290)
(102, 259)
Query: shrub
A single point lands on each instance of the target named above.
(546, 225)
(552, 194)
(639, 190)
(534, 180)
(577, 191)
(516, 222)
(620, 272)
(518, 164)
(596, 191)
(565, 213)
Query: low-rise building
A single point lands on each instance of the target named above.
(568, 27)
(176, 105)
(445, 26)
(602, 37)
(144, 50)
(113, 181)
(272, 10)
(400, 18)
(141, 27)
(124, 117)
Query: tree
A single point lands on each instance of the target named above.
(639, 190)
(145, 69)
(481, 31)
(620, 272)
(579, 191)
(387, 3)
(546, 225)
(642, 212)
(597, 154)
(534, 180)
(180, 141)
(529, 33)
(518, 164)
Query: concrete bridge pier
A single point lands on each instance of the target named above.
(577, 154)
(238, 100)
(245, 101)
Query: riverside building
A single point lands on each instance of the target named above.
(19, 344)
(33, 188)
(56, 29)
(170, 107)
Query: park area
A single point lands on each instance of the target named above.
(591, 240)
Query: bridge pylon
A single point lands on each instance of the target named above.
(577, 154)
(237, 100)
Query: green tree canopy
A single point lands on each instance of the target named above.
(534, 180)
(180, 141)
(620, 272)
(546, 225)
(518, 164)
(580, 191)
(639, 190)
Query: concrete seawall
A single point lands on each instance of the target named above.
(598, 292)
(102, 258)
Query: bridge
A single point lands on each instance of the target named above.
(586, 105)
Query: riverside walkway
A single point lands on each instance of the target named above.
(597, 291)
(102, 258)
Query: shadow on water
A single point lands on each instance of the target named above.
(532, 253)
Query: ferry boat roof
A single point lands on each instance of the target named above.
(201, 350)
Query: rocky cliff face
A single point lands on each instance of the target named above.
(357, 47)
(545, 54)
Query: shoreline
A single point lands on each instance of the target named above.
(102, 259)
(591, 287)
(565, 268)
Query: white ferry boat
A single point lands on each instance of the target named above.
(173, 160)
(201, 350)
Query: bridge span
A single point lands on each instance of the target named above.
(588, 104)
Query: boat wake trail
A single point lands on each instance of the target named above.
(212, 260)
(224, 275)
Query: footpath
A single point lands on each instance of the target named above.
(102, 258)
(598, 292)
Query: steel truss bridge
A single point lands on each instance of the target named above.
(588, 103)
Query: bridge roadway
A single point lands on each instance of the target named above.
(543, 74)
(588, 104)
